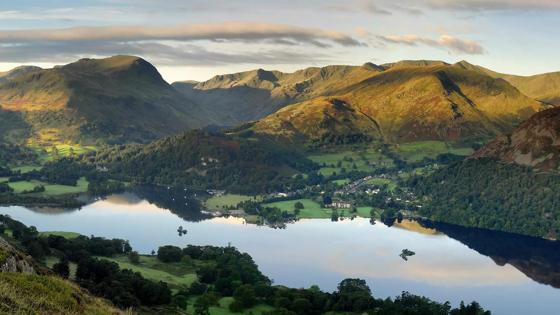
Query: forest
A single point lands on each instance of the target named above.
(488, 194)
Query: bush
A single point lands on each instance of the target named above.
(133, 257)
(61, 268)
(170, 254)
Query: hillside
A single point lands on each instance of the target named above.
(536, 143)
(542, 87)
(511, 184)
(409, 101)
(206, 160)
(16, 72)
(117, 99)
(245, 96)
(28, 288)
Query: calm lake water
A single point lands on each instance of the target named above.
(507, 274)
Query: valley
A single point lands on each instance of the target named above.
(321, 175)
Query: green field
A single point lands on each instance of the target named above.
(338, 162)
(227, 200)
(177, 275)
(417, 151)
(391, 184)
(312, 209)
(59, 233)
(26, 168)
(341, 182)
(223, 308)
(4, 179)
(50, 189)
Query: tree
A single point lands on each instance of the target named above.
(327, 200)
(62, 268)
(134, 257)
(245, 296)
(299, 205)
(170, 254)
(203, 303)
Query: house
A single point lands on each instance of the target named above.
(215, 192)
(340, 205)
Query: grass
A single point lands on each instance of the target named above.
(177, 275)
(227, 200)
(313, 210)
(391, 184)
(68, 235)
(223, 308)
(50, 189)
(417, 151)
(33, 294)
(26, 168)
(4, 179)
(336, 162)
(341, 182)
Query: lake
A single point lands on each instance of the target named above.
(505, 273)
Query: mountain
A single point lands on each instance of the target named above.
(251, 95)
(117, 99)
(408, 101)
(16, 72)
(536, 143)
(542, 87)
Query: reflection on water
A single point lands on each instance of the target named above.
(538, 258)
(450, 263)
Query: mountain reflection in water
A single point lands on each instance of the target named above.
(537, 258)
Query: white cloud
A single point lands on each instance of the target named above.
(453, 44)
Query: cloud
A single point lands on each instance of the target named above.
(232, 31)
(494, 5)
(158, 53)
(453, 44)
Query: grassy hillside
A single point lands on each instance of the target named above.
(35, 294)
(117, 99)
(407, 102)
(542, 87)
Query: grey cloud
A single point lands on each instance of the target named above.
(453, 44)
(253, 32)
(161, 54)
(494, 5)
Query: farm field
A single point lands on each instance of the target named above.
(223, 308)
(338, 162)
(417, 151)
(313, 210)
(50, 189)
(227, 200)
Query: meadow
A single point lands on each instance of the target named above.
(313, 210)
(177, 275)
(227, 200)
(50, 189)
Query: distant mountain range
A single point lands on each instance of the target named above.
(124, 99)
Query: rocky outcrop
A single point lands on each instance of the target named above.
(12, 260)
(536, 143)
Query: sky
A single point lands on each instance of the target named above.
(196, 39)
